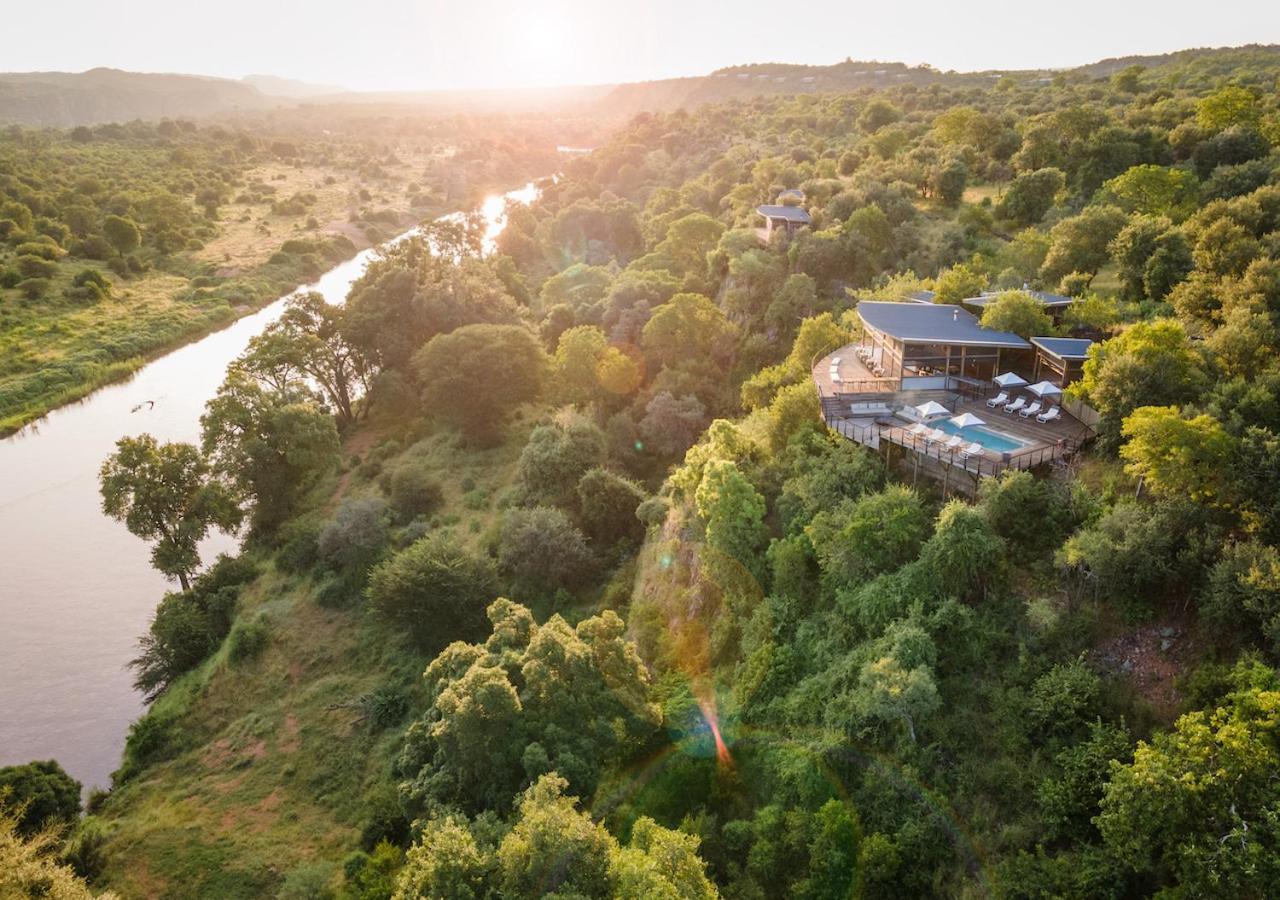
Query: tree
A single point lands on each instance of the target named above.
(1178, 456)
(1228, 106)
(530, 700)
(671, 425)
(958, 283)
(435, 590)
(542, 551)
(555, 849)
(794, 409)
(947, 181)
(607, 504)
(689, 240)
(1017, 312)
(309, 341)
(1243, 593)
(899, 685)
(29, 866)
(1079, 243)
(1148, 364)
(41, 794)
(1195, 809)
(474, 377)
(1031, 195)
(689, 327)
(555, 457)
(874, 534)
(576, 362)
(122, 234)
(271, 445)
(165, 493)
(733, 512)
(1154, 191)
(445, 862)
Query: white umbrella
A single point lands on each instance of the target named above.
(1009, 380)
(968, 420)
(931, 409)
(1045, 389)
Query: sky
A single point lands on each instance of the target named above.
(440, 44)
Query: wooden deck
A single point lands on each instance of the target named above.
(855, 377)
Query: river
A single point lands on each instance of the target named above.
(76, 589)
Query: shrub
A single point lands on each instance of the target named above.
(414, 492)
(45, 793)
(34, 288)
(247, 640)
(298, 546)
(435, 589)
(32, 266)
(541, 551)
(607, 505)
(354, 538)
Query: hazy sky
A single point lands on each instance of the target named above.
(406, 44)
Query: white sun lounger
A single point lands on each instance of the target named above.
(998, 400)
(1016, 405)
(1049, 414)
(935, 435)
(954, 443)
(974, 449)
(1030, 410)
(919, 429)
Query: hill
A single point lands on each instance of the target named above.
(65, 99)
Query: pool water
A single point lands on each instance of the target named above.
(995, 441)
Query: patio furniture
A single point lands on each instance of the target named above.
(1016, 405)
(935, 435)
(919, 429)
(974, 449)
(998, 400)
(1030, 410)
(1049, 415)
(954, 444)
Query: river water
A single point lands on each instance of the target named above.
(76, 589)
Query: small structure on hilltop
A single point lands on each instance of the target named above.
(1054, 304)
(791, 197)
(786, 218)
(1060, 360)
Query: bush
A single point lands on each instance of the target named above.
(31, 266)
(45, 793)
(247, 640)
(153, 738)
(541, 551)
(436, 590)
(355, 537)
(555, 457)
(298, 546)
(607, 505)
(308, 881)
(34, 288)
(414, 492)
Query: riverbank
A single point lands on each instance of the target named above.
(71, 629)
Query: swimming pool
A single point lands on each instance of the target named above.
(995, 441)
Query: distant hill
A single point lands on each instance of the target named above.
(274, 86)
(107, 95)
(67, 99)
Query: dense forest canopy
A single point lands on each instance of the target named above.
(607, 611)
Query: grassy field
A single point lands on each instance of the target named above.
(56, 349)
(274, 767)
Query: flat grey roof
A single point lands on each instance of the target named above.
(789, 213)
(1045, 299)
(1064, 348)
(921, 296)
(934, 323)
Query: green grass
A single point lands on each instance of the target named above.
(275, 768)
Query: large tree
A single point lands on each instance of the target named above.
(475, 377)
(165, 493)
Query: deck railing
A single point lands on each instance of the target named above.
(983, 465)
